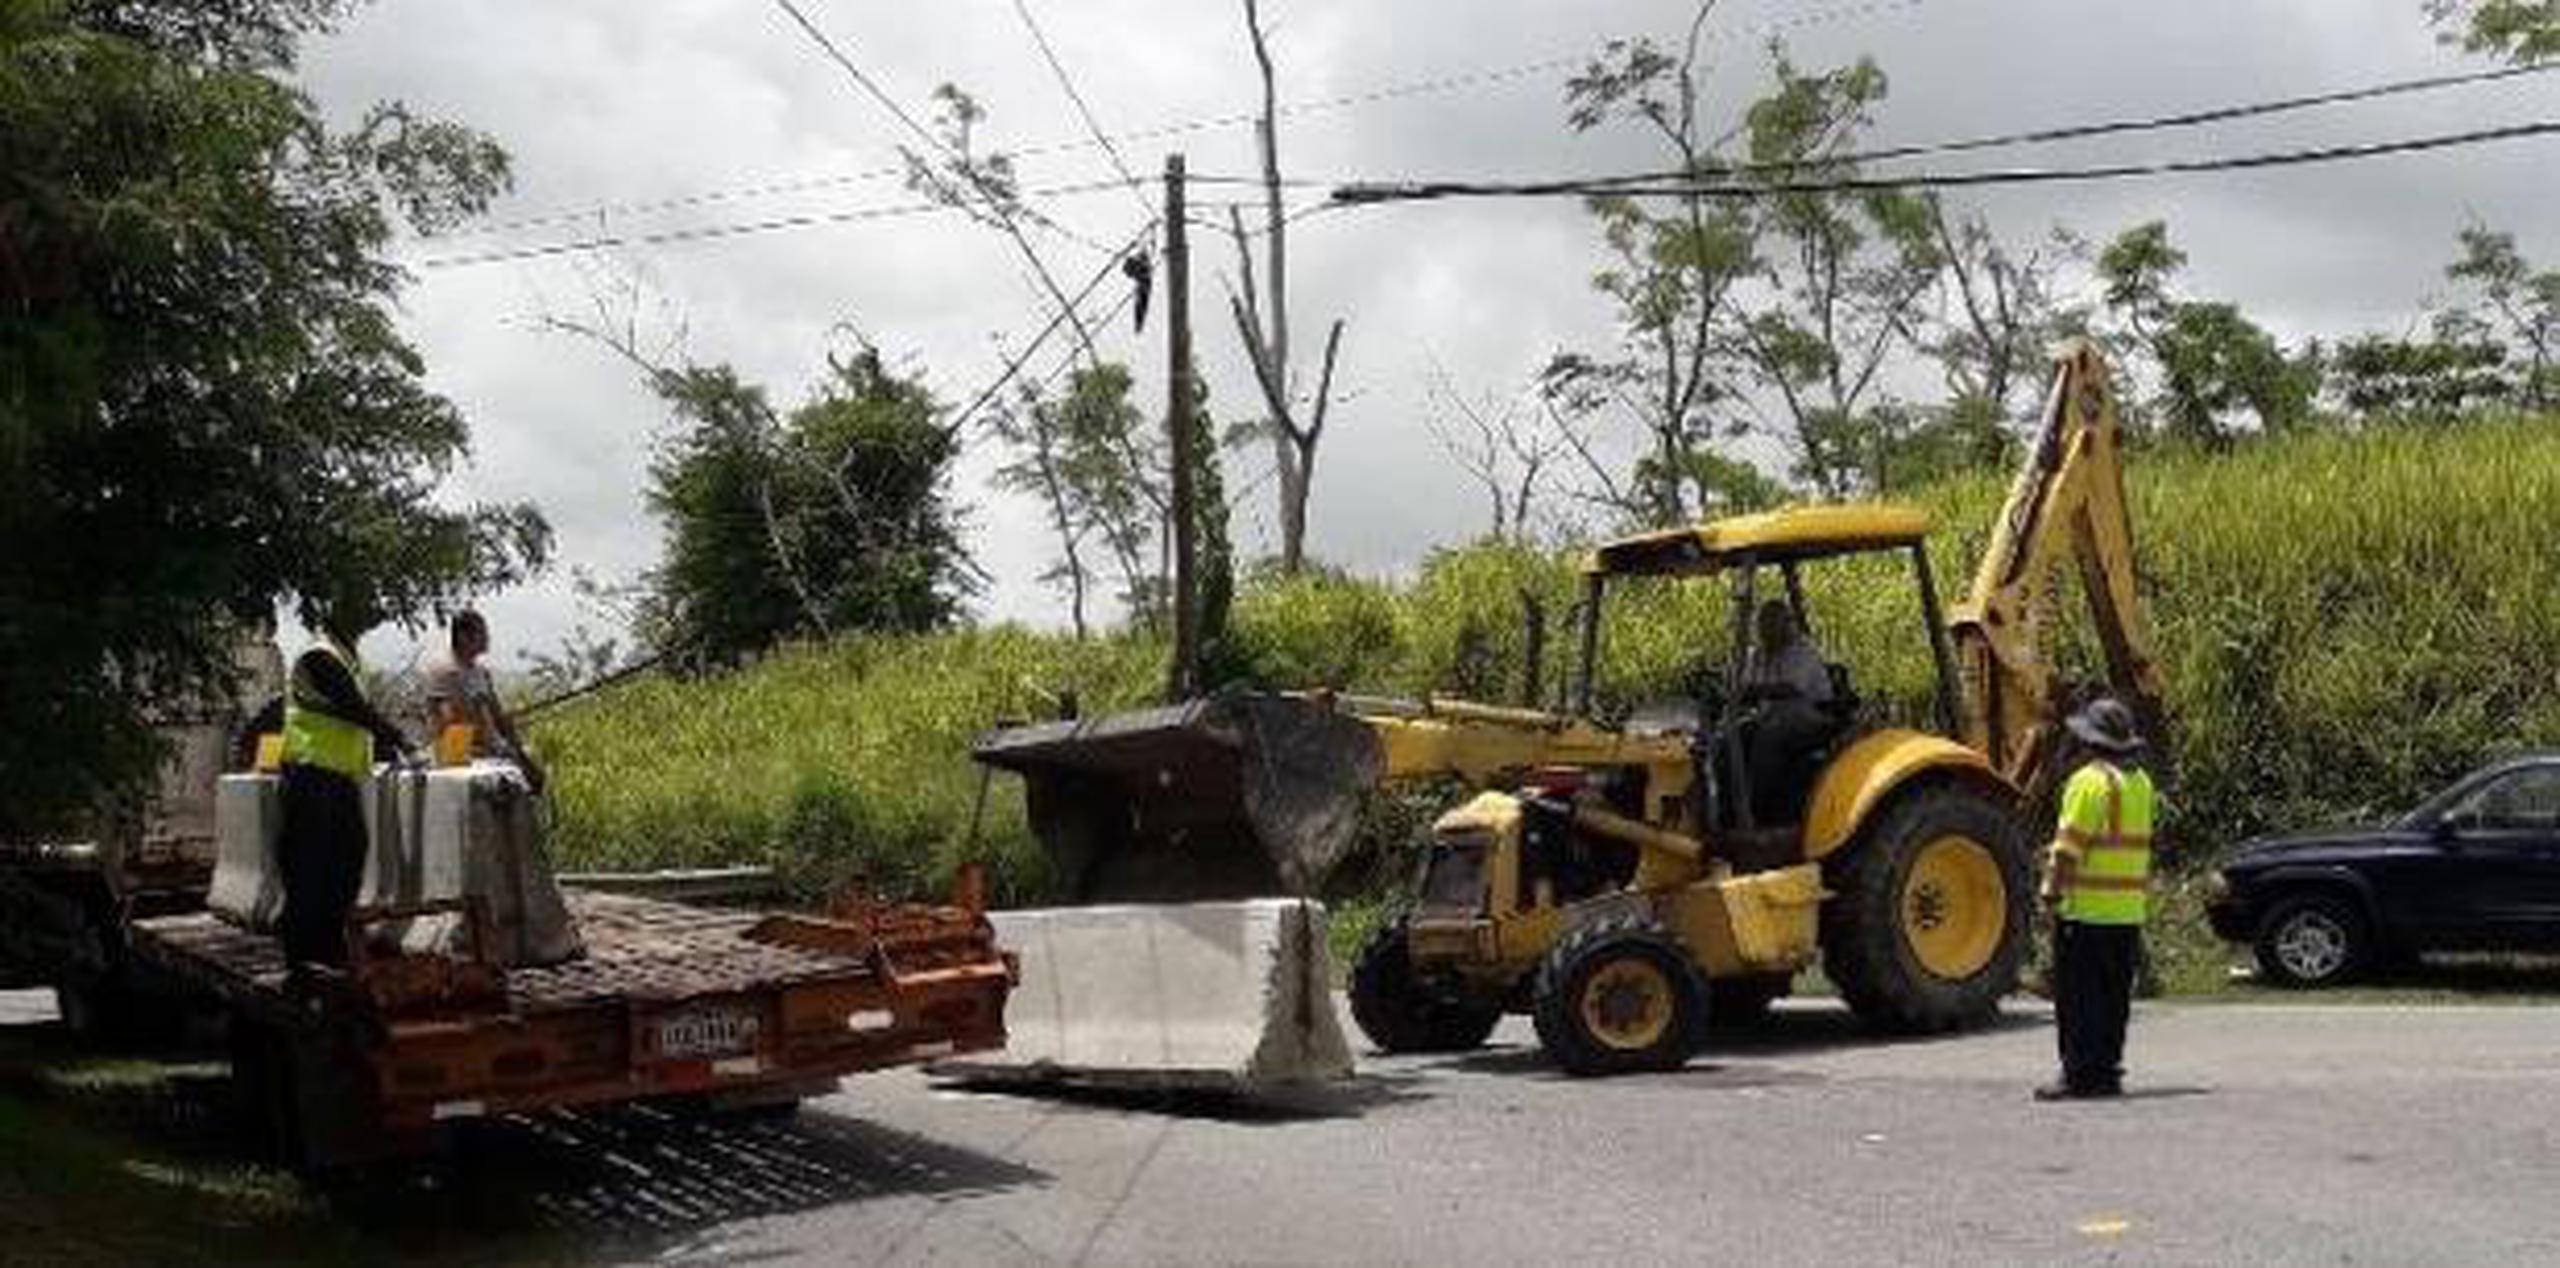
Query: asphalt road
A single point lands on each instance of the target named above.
(2255, 1134)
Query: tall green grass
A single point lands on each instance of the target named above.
(2345, 621)
(834, 763)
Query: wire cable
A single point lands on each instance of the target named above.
(1067, 83)
(997, 201)
(2115, 127)
(2047, 136)
(698, 233)
(1363, 194)
(1013, 366)
(863, 81)
(1458, 82)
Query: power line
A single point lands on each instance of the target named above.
(1357, 194)
(677, 202)
(697, 233)
(2038, 136)
(1458, 82)
(1092, 125)
(1670, 182)
(1065, 363)
(994, 198)
(1013, 365)
(2114, 127)
(863, 81)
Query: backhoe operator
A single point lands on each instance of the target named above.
(1787, 678)
(331, 733)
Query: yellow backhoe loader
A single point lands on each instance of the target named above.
(1625, 884)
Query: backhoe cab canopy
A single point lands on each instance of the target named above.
(1784, 536)
(1742, 544)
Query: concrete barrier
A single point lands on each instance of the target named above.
(430, 835)
(1230, 997)
(247, 889)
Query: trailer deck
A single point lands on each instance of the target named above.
(668, 1000)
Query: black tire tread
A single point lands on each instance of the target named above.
(1391, 1007)
(1559, 1022)
(1862, 951)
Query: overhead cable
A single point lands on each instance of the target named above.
(697, 233)
(1420, 191)
(1457, 82)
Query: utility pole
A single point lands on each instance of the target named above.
(1177, 414)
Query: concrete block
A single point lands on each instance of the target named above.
(248, 814)
(430, 835)
(473, 830)
(1232, 996)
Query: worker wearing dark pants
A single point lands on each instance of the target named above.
(330, 733)
(2093, 969)
(2097, 887)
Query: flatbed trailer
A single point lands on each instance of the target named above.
(717, 1007)
(721, 1008)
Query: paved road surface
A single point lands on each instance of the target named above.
(2292, 1134)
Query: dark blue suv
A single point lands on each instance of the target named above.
(2476, 867)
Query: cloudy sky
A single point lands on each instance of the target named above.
(614, 109)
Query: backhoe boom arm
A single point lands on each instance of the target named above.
(2068, 499)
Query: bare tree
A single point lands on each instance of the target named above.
(2002, 312)
(1499, 444)
(1032, 427)
(1262, 318)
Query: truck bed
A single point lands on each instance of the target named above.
(638, 949)
(669, 999)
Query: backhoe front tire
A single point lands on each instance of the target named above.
(1399, 1013)
(1927, 922)
(1619, 996)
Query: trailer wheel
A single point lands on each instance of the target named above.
(304, 1105)
(1928, 916)
(1399, 1013)
(115, 1010)
(263, 1111)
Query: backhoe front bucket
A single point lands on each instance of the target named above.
(1235, 796)
(1194, 817)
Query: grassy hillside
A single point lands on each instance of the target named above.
(2345, 620)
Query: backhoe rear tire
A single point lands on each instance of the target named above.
(1619, 996)
(1399, 1012)
(1927, 922)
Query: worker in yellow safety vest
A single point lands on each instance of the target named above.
(331, 735)
(2097, 887)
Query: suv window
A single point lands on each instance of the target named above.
(2529, 798)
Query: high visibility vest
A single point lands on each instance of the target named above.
(315, 737)
(2105, 837)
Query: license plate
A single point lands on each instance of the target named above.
(707, 1032)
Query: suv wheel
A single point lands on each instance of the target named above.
(2313, 940)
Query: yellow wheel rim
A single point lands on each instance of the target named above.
(1955, 907)
(1626, 1005)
